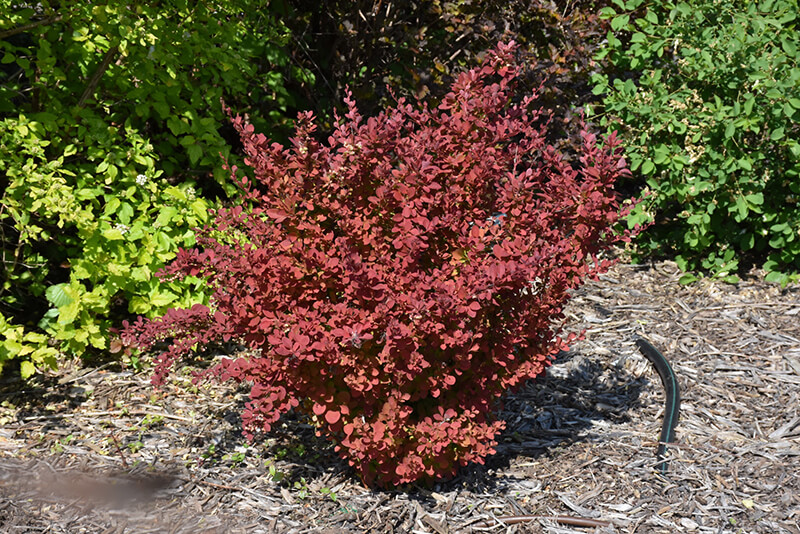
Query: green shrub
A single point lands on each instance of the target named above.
(709, 103)
(109, 118)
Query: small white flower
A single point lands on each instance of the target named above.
(190, 193)
(141, 179)
(122, 228)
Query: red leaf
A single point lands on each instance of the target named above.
(278, 215)
(499, 252)
(332, 417)
(379, 429)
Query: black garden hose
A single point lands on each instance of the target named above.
(671, 414)
(673, 398)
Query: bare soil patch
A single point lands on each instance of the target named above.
(98, 450)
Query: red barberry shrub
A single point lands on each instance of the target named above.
(395, 281)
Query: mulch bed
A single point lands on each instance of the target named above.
(98, 450)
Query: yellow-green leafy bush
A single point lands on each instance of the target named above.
(109, 137)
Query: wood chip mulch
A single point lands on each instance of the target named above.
(97, 450)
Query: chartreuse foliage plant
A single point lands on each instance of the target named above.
(86, 240)
(395, 280)
(109, 111)
(709, 109)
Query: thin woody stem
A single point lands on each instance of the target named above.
(31, 25)
(97, 75)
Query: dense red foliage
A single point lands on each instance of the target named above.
(397, 280)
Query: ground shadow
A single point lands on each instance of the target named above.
(555, 410)
(541, 416)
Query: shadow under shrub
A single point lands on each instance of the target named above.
(395, 281)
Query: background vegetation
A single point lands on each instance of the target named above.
(707, 95)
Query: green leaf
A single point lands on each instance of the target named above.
(741, 207)
(195, 153)
(661, 154)
(35, 337)
(774, 276)
(162, 108)
(26, 369)
(80, 35)
(162, 298)
(188, 140)
(795, 103)
(83, 269)
(67, 314)
(57, 296)
(9, 349)
(747, 241)
(139, 305)
(605, 13)
(112, 234)
(141, 274)
(789, 46)
(619, 22)
(176, 193)
(730, 130)
(125, 213)
(687, 278)
(776, 134)
(97, 340)
(165, 215)
(200, 208)
(748, 105)
(777, 242)
(112, 206)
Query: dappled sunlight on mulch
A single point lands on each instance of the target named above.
(98, 450)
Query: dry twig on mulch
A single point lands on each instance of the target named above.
(99, 451)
